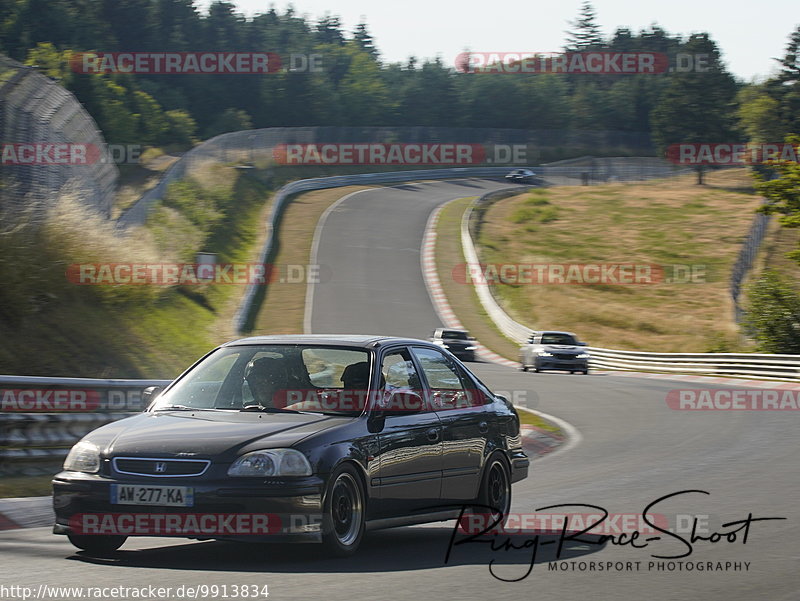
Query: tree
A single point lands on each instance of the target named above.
(697, 106)
(231, 120)
(757, 114)
(181, 128)
(782, 193)
(329, 31)
(364, 40)
(773, 314)
(585, 34)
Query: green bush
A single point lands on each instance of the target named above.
(773, 314)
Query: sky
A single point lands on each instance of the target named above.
(749, 33)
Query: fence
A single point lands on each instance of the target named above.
(35, 109)
(747, 254)
(256, 146)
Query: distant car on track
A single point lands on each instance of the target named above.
(295, 438)
(523, 176)
(554, 350)
(458, 342)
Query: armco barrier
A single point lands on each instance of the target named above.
(747, 365)
(41, 418)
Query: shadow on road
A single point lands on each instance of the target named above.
(401, 549)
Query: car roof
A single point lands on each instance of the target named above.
(543, 332)
(351, 340)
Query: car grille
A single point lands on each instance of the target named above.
(160, 467)
(564, 357)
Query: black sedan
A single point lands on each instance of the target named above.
(305, 438)
(523, 176)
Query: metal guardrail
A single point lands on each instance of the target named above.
(41, 418)
(256, 146)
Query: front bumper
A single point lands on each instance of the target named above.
(252, 509)
(571, 364)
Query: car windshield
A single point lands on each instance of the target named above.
(455, 335)
(274, 378)
(558, 339)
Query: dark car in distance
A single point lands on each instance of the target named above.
(554, 350)
(295, 438)
(458, 342)
(523, 176)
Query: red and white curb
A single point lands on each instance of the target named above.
(536, 441)
(436, 292)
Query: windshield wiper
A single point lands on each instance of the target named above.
(182, 408)
(267, 409)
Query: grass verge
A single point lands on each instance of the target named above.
(25, 486)
(52, 327)
(528, 417)
(282, 306)
(660, 222)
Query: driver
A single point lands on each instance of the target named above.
(265, 377)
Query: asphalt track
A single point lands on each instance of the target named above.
(634, 450)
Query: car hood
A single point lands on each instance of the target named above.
(204, 433)
(562, 348)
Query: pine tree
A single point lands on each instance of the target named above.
(364, 40)
(585, 34)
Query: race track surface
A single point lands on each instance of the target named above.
(634, 449)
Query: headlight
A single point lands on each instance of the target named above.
(471, 348)
(583, 356)
(272, 462)
(83, 457)
(545, 354)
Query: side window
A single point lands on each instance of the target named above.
(398, 373)
(450, 387)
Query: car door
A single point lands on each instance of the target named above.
(409, 474)
(460, 406)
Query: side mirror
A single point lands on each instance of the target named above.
(581, 344)
(150, 394)
(399, 402)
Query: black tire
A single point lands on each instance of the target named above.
(97, 543)
(585, 372)
(495, 488)
(522, 366)
(344, 509)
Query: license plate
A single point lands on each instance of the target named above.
(136, 494)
